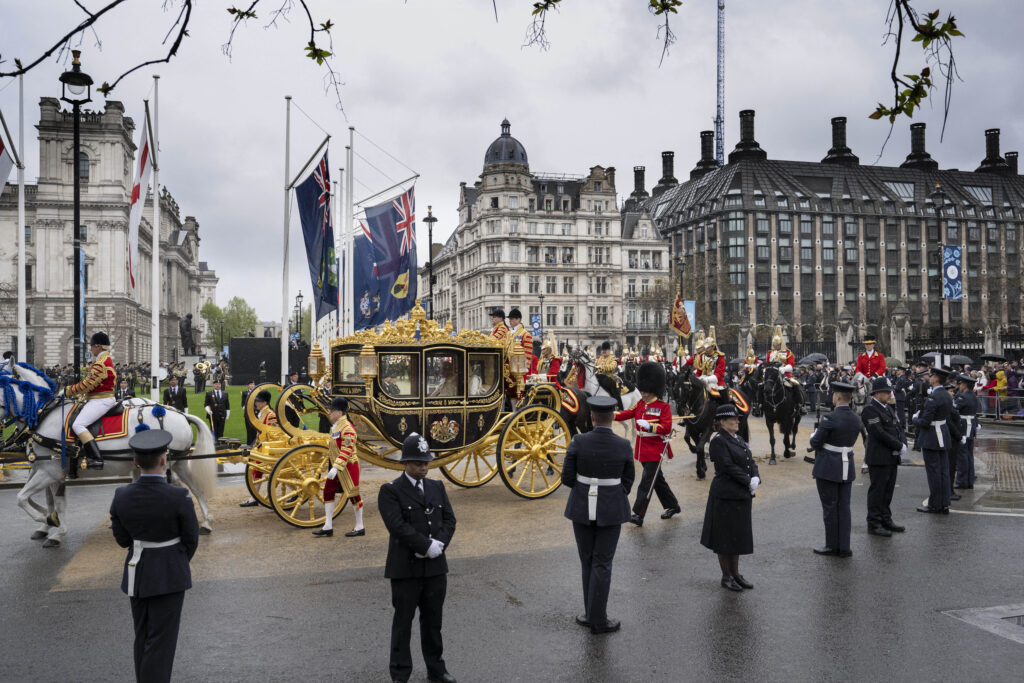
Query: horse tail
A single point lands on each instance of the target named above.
(203, 469)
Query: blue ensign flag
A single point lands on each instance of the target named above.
(391, 235)
(365, 284)
(952, 273)
(313, 197)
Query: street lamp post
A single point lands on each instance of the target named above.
(939, 198)
(430, 220)
(76, 89)
(543, 322)
(298, 314)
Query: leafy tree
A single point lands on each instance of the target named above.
(214, 316)
(239, 318)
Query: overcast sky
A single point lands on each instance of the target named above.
(430, 81)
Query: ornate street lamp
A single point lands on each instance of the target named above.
(76, 89)
(298, 314)
(430, 220)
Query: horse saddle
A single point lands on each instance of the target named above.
(113, 424)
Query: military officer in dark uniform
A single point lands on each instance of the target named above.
(598, 471)
(218, 407)
(157, 523)
(933, 437)
(900, 384)
(918, 394)
(124, 391)
(834, 469)
(966, 403)
(885, 446)
(174, 395)
(250, 430)
(421, 524)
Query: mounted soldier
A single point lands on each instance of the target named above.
(549, 364)
(871, 363)
(98, 389)
(710, 364)
(606, 368)
(785, 360)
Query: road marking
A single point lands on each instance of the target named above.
(924, 503)
(993, 619)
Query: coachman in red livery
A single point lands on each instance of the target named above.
(97, 387)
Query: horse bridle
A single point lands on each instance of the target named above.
(700, 396)
(775, 384)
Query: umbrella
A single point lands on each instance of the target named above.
(960, 360)
(992, 356)
(813, 358)
(736, 362)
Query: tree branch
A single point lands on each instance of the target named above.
(183, 18)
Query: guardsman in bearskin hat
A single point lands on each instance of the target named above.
(500, 330)
(834, 468)
(654, 428)
(264, 415)
(342, 449)
(98, 389)
(871, 363)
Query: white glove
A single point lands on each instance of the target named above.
(903, 450)
(786, 368)
(332, 473)
(754, 483)
(710, 380)
(963, 439)
(643, 425)
(435, 549)
(915, 415)
(228, 416)
(209, 411)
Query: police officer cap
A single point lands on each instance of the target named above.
(880, 384)
(100, 338)
(842, 386)
(727, 410)
(150, 442)
(965, 379)
(514, 313)
(263, 396)
(415, 449)
(941, 372)
(498, 313)
(601, 404)
(339, 403)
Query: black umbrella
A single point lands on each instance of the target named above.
(813, 358)
(735, 362)
(992, 356)
(960, 360)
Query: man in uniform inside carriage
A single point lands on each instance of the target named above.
(98, 389)
(871, 363)
(342, 452)
(784, 359)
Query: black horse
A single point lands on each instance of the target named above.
(780, 406)
(696, 406)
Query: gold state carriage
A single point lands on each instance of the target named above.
(416, 376)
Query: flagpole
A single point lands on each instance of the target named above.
(20, 232)
(347, 232)
(339, 255)
(154, 356)
(284, 269)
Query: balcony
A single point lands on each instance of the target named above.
(638, 326)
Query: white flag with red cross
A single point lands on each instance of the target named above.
(139, 187)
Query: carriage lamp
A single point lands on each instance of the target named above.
(367, 363)
(519, 365)
(315, 364)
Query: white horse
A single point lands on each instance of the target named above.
(20, 395)
(863, 392)
(594, 388)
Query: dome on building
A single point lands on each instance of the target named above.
(506, 149)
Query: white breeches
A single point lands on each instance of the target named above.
(93, 410)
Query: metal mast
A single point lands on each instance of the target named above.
(719, 121)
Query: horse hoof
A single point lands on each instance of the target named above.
(51, 543)
(38, 535)
(52, 519)
(788, 454)
(772, 461)
(205, 531)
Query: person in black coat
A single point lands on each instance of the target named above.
(900, 386)
(250, 430)
(174, 395)
(421, 524)
(885, 446)
(727, 529)
(124, 391)
(598, 470)
(834, 469)
(218, 407)
(933, 437)
(157, 522)
(966, 403)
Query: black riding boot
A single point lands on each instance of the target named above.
(92, 455)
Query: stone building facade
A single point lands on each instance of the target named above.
(553, 245)
(829, 246)
(106, 168)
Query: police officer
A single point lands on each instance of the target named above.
(966, 403)
(598, 471)
(933, 437)
(834, 469)
(421, 524)
(885, 446)
(157, 522)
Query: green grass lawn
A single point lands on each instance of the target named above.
(234, 428)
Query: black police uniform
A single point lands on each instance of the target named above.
(219, 404)
(413, 518)
(157, 523)
(727, 526)
(175, 397)
(834, 471)
(956, 432)
(598, 470)
(886, 439)
(966, 403)
(900, 386)
(934, 438)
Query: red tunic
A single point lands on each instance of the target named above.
(871, 366)
(553, 368)
(100, 381)
(342, 450)
(719, 367)
(659, 414)
(790, 360)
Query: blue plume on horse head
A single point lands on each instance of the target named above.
(141, 427)
(33, 398)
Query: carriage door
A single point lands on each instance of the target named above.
(445, 397)
(485, 393)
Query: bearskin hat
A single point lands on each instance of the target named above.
(650, 377)
(100, 339)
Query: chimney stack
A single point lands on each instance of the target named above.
(707, 161)
(919, 157)
(747, 147)
(993, 163)
(667, 179)
(609, 173)
(638, 182)
(840, 153)
(1011, 161)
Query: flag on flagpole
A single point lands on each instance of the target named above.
(391, 228)
(6, 164)
(139, 187)
(313, 197)
(680, 319)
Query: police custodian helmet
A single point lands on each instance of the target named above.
(415, 449)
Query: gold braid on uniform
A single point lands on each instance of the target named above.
(97, 373)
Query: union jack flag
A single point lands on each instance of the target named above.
(313, 197)
(405, 205)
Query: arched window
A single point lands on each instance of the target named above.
(83, 167)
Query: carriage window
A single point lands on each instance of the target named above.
(345, 367)
(399, 374)
(444, 374)
(483, 374)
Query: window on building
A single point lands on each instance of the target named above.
(785, 253)
(83, 232)
(763, 253)
(493, 284)
(531, 228)
(28, 234)
(513, 225)
(494, 253)
(568, 285)
(549, 228)
(568, 255)
(850, 227)
(566, 228)
(568, 316)
(534, 284)
(494, 202)
(513, 202)
(599, 284)
(645, 286)
(828, 226)
(631, 287)
(762, 224)
(551, 316)
(551, 284)
(28, 276)
(547, 204)
(763, 280)
(807, 254)
(784, 224)
(851, 255)
(513, 253)
(534, 310)
(83, 167)
(533, 254)
(601, 315)
(513, 284)
(532, 203)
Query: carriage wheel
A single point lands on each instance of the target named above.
(255, 485)
(297, 487)
(531, 450)
(475, 468)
